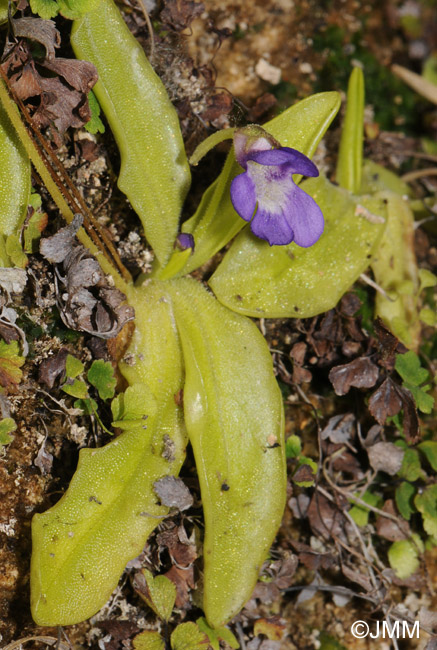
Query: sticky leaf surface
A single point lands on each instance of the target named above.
(234, 417)
(154, 171)
(288, 281)
(82, 544)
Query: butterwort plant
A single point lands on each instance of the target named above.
(305, 244)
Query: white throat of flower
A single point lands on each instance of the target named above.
(272, 186)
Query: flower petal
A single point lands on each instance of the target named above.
(250, 140)
(243, 196)
(298, 162)
(305, 217)
(274, 228)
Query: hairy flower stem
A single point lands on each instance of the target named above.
(97, 243)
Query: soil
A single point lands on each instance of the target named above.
(239, 61)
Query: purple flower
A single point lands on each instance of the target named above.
(184, 240)
(266, 195)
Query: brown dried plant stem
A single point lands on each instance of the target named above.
(62, 189)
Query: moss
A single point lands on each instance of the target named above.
(396, 106)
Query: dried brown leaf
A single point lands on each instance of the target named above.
(389, 529)
(312, 559)
(60, 100)
(360, 373)
(86, 301)
(36, 29)
(179, 14)
(385, 401)
(411, 419)
(325, 518)
(266, 592)
(304, 473)
(389, 345)
(340, 429)
(89, 150)
(218, 104)
(80, 75)
(173, 493)
(261, 107)
(53, 367)
(44, 460)
(350, 304)
(357, 577)
(183, 579)
(273, 628)
(57, 247)
(385, 457)
(61, 106)
(182, 551)
(286, 572)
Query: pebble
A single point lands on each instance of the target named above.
(268, 72)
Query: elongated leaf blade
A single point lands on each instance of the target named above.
(288, 281)
(234, 417)
(14, 183)
(154, 172)
(350, 156)
(215, 223)
(82, 544)
(396, 272)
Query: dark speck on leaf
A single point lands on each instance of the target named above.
(225, 487)
(95, 499)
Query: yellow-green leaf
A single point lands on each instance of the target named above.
(288, 281)
(187, 636)
(148, 641)
(10, 364)
(217, 635)
(161, 595)
(350, 155)
(83, 543)
(403, 557)
(76, 388)
(73, 366)
(234, 419)
(101, 375)
(426, 503)
(154, 171)
(7, 425)
(395, 268)
(14, 183)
